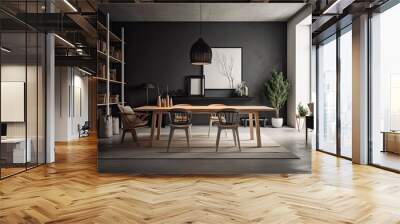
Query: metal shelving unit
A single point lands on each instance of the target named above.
(111, 39)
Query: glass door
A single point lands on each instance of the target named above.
(13, 148)
(384, 111)
(334, 105)
(346, 95)
(326, 96)
(22, 77)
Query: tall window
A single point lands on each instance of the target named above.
(346, 92)
(335, 60)
(327, 96)
(22, 78)
(385, 88)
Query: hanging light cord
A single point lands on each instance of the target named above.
(201, 21)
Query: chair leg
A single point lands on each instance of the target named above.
(209, 126)
(218, 137)
(238, 139)
(123, 136)
(171, 135)
(187, 137)
(135, 138)
(234, 136)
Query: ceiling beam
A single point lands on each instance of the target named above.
(84, 24)
(337, 7)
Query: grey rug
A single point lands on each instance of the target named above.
(201, 155)
(202, 147)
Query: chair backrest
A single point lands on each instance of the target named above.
(128, 117)
(228, 117)
(86, 126)
(125, 121)
(180, 116)
(311, 108)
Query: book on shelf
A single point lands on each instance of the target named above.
(102, 46)
(113, 74)
(114, 98)
(102, 71)
(101, 98)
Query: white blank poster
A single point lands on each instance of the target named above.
(12, 101)
(195, 87)
(225, 70)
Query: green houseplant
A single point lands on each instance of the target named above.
(277, 92)
(302, 110)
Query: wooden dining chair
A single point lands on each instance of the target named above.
(180, 119)
(131, 121)
(229, 119)
(214, 118)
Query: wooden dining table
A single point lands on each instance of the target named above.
(252, 111)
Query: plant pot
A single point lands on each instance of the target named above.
(277, 122)
(115, 125)
(105, 127)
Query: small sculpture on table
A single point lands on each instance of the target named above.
(242, 90)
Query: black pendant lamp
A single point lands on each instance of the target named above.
(200, 53)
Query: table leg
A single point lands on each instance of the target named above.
(153, 126)
(251, 126)
(306, 135)
(257, 120)
(159, 125)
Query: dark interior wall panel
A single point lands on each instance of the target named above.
(158, 52)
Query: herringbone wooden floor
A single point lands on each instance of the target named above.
(71, 191)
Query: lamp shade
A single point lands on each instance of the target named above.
(200, 53)
(148, 85)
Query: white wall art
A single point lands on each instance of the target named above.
(225, 70)
(12, 101)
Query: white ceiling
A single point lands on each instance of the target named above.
(211, 12)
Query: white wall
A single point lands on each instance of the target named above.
(313, 91)
(71, 87)
(80, 110)
(62, 81)
(33, 126)
(18, 73)
(303, 62)
(10, 73)
(314, 75)
(299, 62)
(50, 92)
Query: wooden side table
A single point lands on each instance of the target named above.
(391, 141)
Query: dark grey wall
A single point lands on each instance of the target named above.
(158, 52)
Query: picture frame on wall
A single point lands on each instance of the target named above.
(195, 85)
(225, 70)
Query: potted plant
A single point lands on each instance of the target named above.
(302, 110)
(277, 91)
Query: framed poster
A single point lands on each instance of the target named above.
(13, 101)
(196, 85)
(225, 70)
